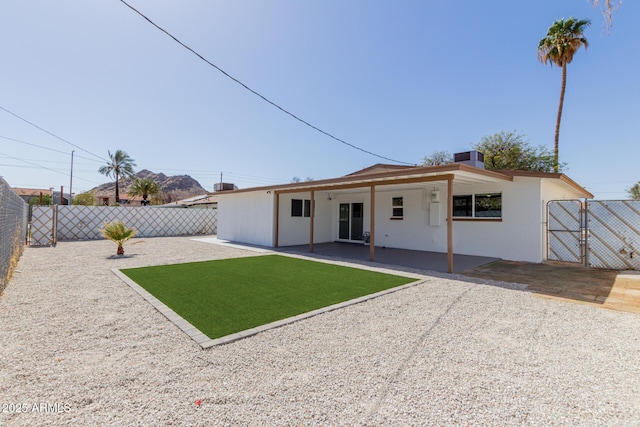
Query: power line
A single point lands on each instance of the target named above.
(45, 148)
(50, 133)
(258, 94)
(41, 167)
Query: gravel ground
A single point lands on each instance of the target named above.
(80, 347)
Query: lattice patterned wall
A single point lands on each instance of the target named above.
(614, 234)
(42, 225)
(84, 222)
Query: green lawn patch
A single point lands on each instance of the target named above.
(223, 297)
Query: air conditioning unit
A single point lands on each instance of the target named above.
(472, 158)
(224, 186)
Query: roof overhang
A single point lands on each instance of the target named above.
(563, 179)
(460, 173)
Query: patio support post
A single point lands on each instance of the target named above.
(372, 231)
(277, 216)
(311, 218)
(450, 223)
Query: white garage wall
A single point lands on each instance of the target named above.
(247, 217)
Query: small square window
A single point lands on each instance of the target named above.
(300, 207)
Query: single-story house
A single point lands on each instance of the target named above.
(27, 194)
(109, 199)
(459, 207)
(204, 201)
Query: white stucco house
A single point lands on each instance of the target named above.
(459, 207)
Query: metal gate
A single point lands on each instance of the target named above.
(43, 226)
(595, 233)
(565, 231)
(614, 234)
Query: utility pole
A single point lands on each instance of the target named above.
(71, 180)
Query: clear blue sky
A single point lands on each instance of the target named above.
(398, 78)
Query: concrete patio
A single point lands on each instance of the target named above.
(424, 260)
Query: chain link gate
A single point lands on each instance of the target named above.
(565, 231)
(595, 233)
(614, 234)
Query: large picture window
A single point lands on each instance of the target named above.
(482, 205)
(300, 207)
(488, 206)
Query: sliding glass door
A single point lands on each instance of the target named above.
(351, 221)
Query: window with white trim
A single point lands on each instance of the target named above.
(397, 207)
(300, 207)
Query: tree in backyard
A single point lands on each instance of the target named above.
(634, 191)
(145, 188)
(511, 151)
(437, 158)
(296, 179)
(119, 166)
(119, 233)
(35, 200)
(558, 47)
(85, 199)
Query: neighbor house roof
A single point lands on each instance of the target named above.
(32, 191)
(388, 174)
(204, 199)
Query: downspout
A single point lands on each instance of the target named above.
(311, 219)
(277, 217)
(372, 233)
(450, 223)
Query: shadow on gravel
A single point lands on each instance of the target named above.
(121, 256)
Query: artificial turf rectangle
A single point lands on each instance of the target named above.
(223, 297)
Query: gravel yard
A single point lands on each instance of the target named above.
(80, 347)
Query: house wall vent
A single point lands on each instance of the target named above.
(224, 186)
(472, 158)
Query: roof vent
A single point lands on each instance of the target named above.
(472, 158)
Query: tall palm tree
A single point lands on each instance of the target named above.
(119, 166)
(145, 188)
(562, 41)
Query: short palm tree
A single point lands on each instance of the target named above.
(119, 233)
(145, 188)
(562, 41)
(120, 165)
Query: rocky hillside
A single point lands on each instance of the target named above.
(175, 187)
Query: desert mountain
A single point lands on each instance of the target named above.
(175, 187)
